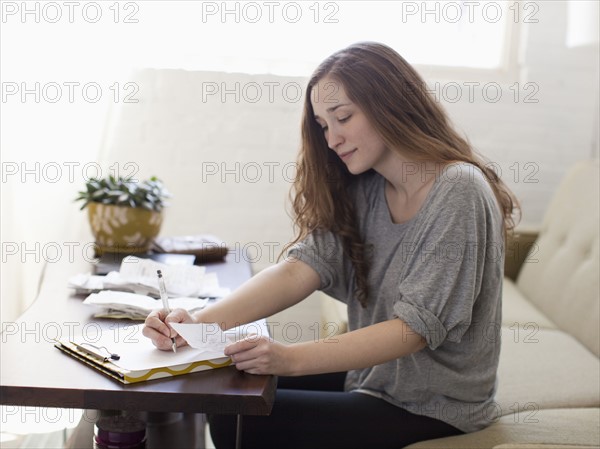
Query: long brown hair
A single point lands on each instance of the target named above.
(394, 98)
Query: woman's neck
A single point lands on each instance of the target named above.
(407, 185)
(407, 179)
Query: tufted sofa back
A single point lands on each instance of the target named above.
(561, 273)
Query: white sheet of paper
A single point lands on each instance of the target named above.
(137, 351)
(204, 336)
(210, 337)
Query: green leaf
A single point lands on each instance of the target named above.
(148, 194)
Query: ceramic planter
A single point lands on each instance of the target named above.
(121, 229)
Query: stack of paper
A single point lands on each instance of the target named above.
(138, 275)
(136, 307)
(130, 292)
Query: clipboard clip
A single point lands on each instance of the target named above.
(96, 355)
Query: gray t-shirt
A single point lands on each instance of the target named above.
(441, 273)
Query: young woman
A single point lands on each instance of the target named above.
(401, 220)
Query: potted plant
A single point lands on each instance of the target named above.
(125, 215)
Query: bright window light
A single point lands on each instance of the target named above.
(278, 37)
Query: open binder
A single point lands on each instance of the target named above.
(124, 354)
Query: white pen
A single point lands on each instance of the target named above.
(165, 301)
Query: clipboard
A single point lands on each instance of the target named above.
(132, 358)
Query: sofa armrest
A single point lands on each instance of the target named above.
(518, 245)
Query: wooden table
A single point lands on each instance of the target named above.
(34, 373)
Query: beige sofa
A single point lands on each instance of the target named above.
(549, 374)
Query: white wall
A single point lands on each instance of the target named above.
(228, 160)
(553, 132)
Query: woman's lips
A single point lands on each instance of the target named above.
(347, 154)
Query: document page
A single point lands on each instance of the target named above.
(209, 336)
(136, 352)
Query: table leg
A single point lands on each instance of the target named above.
(238, 432)
(162, 430)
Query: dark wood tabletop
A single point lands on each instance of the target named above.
(34, 373)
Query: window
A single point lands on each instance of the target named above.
(290, 38)
(279, 37)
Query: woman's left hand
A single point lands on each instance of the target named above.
(259, 355)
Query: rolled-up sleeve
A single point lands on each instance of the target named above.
(444, 270)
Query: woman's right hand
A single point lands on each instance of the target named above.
(157, 329)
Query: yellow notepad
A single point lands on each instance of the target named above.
(124, 354)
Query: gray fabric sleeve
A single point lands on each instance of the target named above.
(323, 251)
(443, 271)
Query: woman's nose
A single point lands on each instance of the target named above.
(334, 138)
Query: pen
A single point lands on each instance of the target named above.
(165, 301)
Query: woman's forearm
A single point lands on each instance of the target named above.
(270, 291)
(365, 347)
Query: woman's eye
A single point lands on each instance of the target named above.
(344, 119)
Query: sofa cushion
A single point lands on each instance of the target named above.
(545, 368)
(518, 311)
(544, 446)
(334, 316)
(546, 428)
(560, 275)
